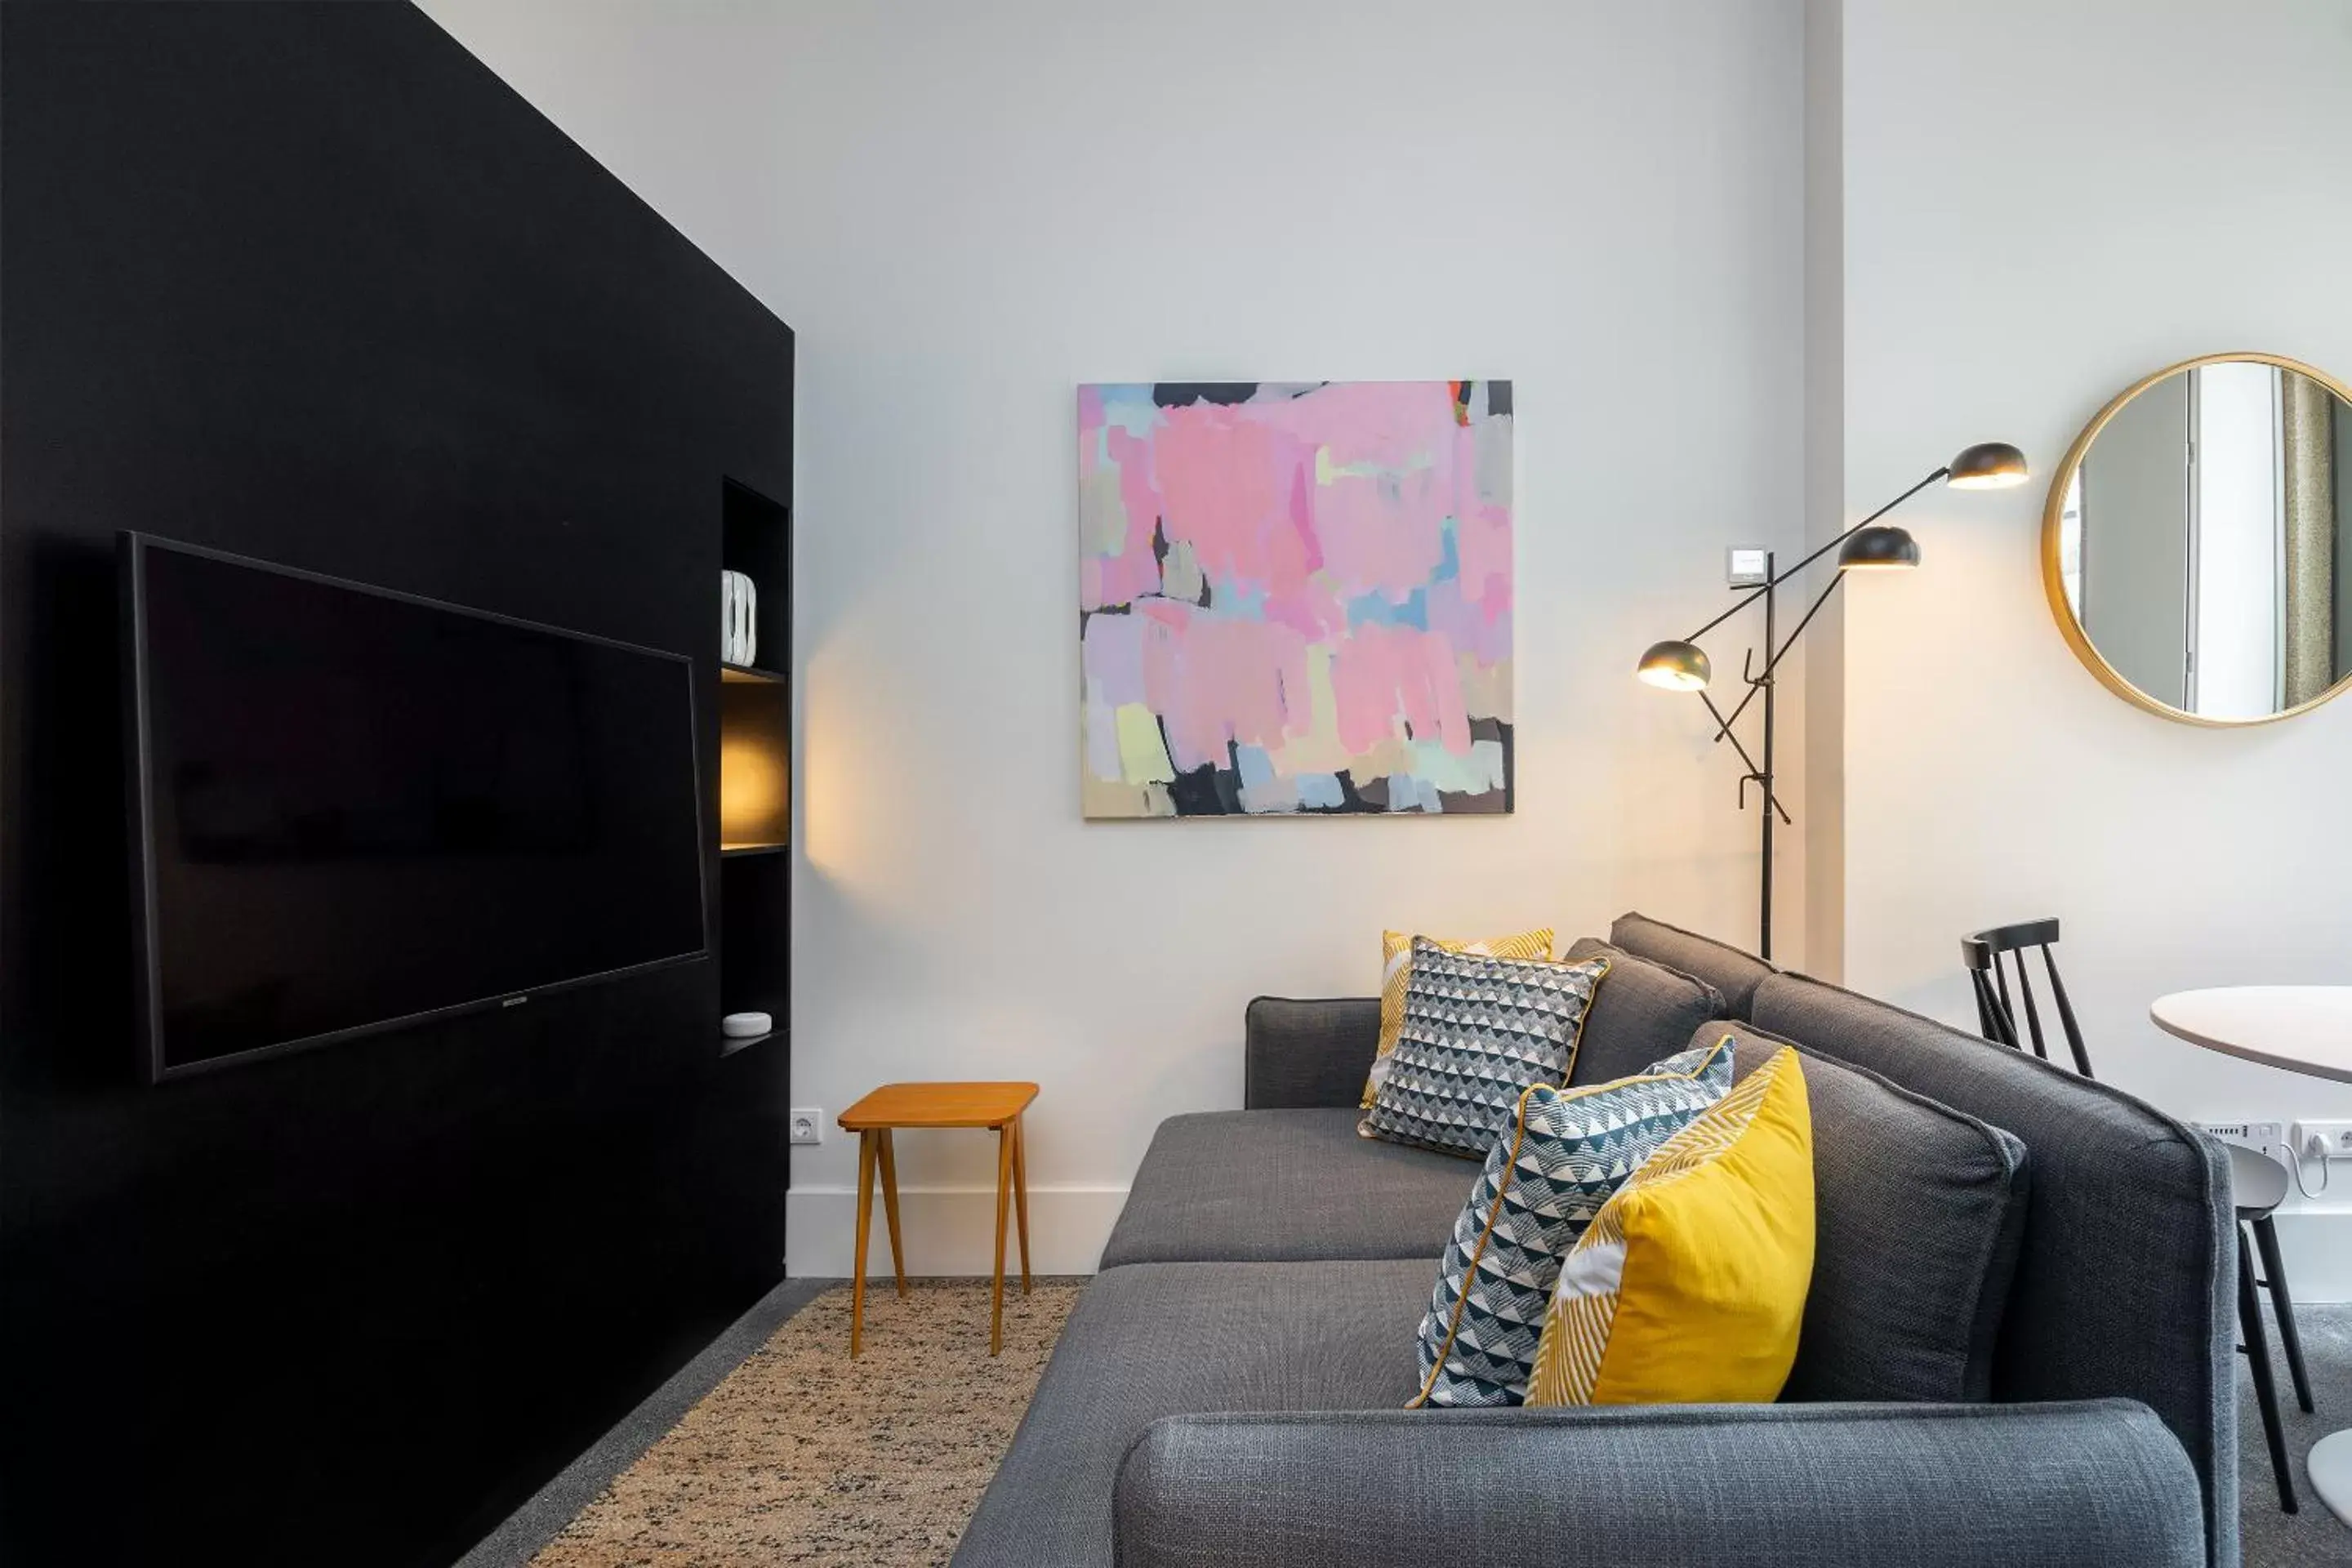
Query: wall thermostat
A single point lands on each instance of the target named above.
(1747, 566)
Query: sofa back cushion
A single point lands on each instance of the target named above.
(2125, 1277)
(1299, 1052)
(1643, 1012)
(1726, 968)
(1918, 1210)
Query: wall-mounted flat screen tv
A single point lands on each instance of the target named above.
(353, 810)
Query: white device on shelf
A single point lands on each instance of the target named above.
(739, 635)
(744, 1026)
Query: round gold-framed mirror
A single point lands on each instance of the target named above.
(2197, 545)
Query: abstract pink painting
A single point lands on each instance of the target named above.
(1295, 597)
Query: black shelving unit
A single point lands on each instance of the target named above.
(755, 773)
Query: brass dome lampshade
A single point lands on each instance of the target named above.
(1676, 665)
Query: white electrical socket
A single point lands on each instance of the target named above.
(807, 1124)
(2260, 1136)
(2323, 1140)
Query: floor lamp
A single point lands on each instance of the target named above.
(1681, 664)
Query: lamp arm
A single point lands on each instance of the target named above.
(1865, 523)
(1772, 663)
(1816, 555)
(1735, 609)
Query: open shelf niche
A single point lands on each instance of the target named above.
(755, 773)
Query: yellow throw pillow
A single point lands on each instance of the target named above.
(1396, 966)
(1690, 1284)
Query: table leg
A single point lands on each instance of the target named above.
(891, 1206)
(866, 1151)
(1021, 1193)
(1003, 1194)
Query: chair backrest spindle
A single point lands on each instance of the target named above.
(1997, 1008)
(2066, 1015)
(2032, 1013)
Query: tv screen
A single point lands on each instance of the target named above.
(354, 809)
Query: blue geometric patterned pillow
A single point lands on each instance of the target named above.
(1479, 1032)
(1542, 1184)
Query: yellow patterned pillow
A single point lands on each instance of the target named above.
(1689, 1286)
(1396, 967)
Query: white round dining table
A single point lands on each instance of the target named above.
(2304, 1029)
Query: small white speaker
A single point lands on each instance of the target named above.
(738, 634)
(743, 1026)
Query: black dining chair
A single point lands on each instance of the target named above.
(2257, 1181)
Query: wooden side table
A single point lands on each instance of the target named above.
(997, 1106)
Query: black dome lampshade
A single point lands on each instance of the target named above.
(1677, 666)
(1987, 466)
(1882, 547)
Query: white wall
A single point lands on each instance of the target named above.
(2043, 203)
(1824, 649)
(966, 210)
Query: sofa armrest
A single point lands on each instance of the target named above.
(1923, 1486)
(1309, 1053)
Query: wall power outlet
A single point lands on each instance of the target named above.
(2323, 1140)
(807, 1124)
(2263, 1136)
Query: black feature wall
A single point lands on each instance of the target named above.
(307, 282)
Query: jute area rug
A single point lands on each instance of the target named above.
(803, 1455)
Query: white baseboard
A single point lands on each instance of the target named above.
(948, 1230)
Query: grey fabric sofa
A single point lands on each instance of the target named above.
(1229, 1389)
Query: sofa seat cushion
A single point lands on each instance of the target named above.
(1171, 1339)
(1269, 1186)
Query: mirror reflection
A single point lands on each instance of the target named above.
(2203, 539)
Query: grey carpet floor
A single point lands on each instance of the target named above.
(2272, 1539)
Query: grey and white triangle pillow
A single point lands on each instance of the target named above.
(1479, 1032)
(1565, 1154)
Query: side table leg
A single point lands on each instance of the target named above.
(866, 1150)
(890, 1205)
(1003, 1193)
(1021, 1193)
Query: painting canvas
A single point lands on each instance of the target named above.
(1295, 598)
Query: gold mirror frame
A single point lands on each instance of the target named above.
(2053, 583)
